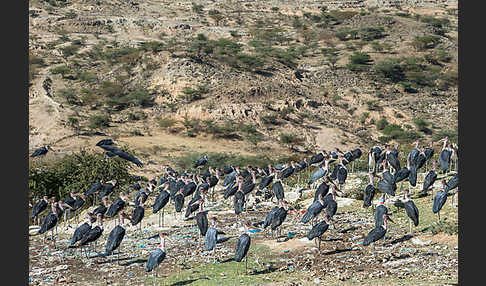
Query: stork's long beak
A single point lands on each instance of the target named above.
(389, 218)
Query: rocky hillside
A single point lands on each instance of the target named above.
(243, 76)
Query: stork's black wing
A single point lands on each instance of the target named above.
(368, 195)
(137, 215)
(429, 180)
(242, 247)
(269, 217)
(323, 189)
(386, 187)
(92, 235)
(39, 207)
(401, 175)
(278, 190)
(317, 158)
(93, 188)
(452, 183)
(78, 234)
(412, 211)
(161, 201)
(109, 148)
(105, 142)
(39, 151)
(317, 230)
(202, 222)
(128, 157)
(265, 182)
(155, 258)
(201, 162)
(49, 222)
(374, 235)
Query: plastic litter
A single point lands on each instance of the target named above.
(286, 251)
(254, 230)
(290, 234)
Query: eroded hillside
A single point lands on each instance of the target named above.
(244, 76)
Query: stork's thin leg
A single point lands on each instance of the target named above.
(410, 225)
(154, 276)
(246, 264)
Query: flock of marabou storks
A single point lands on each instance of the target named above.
(237, 182)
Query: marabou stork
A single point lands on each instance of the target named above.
(115, 238)
(318, 230)
(93, 234)
(411, 210)
(39, 207)
(161, 201)
(156, 257)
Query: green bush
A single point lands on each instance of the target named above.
(87, 77)
(339, 16)
(449, 227)
(438, 56)
(63, 70)
(394, 131)
(73, 122)
(138, 115)
(422, 125)
(152, 46)
(452, 134)
(371, 33)
(166, 122)
(191, 94)
(346, 34)
(69, 94)
(270, 119)
(391, 69)
(422, 43)
(250, 62)
(193, 126)
(222, 159)
(141, 97)
(381, 123)
(111, 89)
(99, 121)
(76, 172)
(289, 138)
(359, 61)
(422, 78)
(69, 50)
(408, 87)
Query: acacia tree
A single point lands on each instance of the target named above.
(76, 172)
